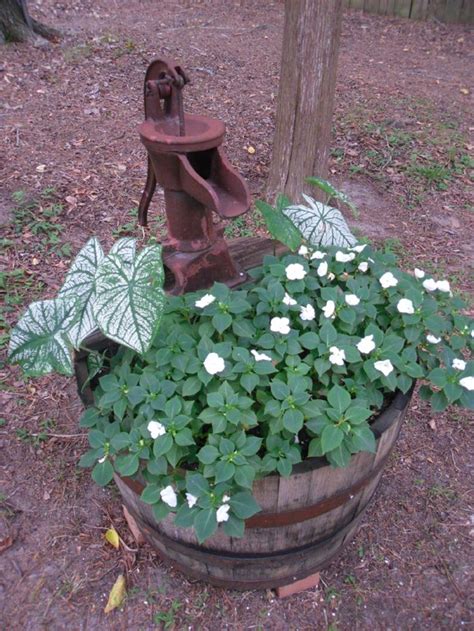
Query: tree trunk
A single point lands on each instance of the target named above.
(16, 24)
(306, 95)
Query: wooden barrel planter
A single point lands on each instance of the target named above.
(306, 519)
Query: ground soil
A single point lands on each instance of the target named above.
(69, 142)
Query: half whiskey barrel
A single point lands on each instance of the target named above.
(305, 520)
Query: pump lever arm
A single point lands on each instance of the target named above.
(147, 195)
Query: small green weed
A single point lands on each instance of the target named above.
(36, 438)
(167, 618)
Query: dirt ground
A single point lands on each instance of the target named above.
(72, 166)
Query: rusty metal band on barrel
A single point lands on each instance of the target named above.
(296, 515)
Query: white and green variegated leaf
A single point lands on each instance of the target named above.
(80, 284)
(39, 342)
(332, 192)
(320, 225)
(125, 248)
(129, 298)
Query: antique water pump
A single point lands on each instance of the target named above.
(186, 158)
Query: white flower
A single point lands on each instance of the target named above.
(384, 366)
(430, 284)
(443, 285)
(191, 499)
(303, 251)
(352, 300)
(337, 356)
(329, 309)
(405, 306)
(222, 513)
(472, 333)
(206, 300)
(366, 345)
(341, 257)
(331, 276)
(280, 325)
(322, 269)
(156, 429)
(308, 312)
(432, 339)
(101, 460)
(363, 267)
(295, 271)
(214, 363)
(169, 496)
(260, 357)
(359, 248)
(467, 382)
(317, 255)
(458, 364)
(225, 499)
(388, 280)
(288, 300)
(419, 273)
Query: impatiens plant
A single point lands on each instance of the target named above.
(212, 390)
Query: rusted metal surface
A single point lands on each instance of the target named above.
(186, 159)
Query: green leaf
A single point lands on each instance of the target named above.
(39, 342)
(356, 414)
(328, 333)
(128, 305)
(127, 465)
(332, 192)
(185, 516)
(102, 473)
(205, 524)
(162, 445)
(309, 340)
(208, 454)
(293, 420)
(339, 398)
(319, 224)
(151, 494)
(234, 527)
(120, 441)
(197, 484)
(224, 471)
(249, 381)
(221, 321)
(244, 505)
(160, 510)
(279, 226)
(184, 437)
(331, 437)
(79, 285)
(191, 386)
(363, 439)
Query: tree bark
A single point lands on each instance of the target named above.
(306, 96)
(16, 24)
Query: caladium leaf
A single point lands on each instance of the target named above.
(39, 342)
(319, 224)
(80, 285)
(278, 225)
(332, 192)
(129, 298)
(125, 248)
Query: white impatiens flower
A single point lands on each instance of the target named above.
(384, 366)
(322, 269)
(342, 257)
(156, 429)
(206, 300)
(101, 460)
(432, 339)
(288, 300)
(303, 251)
(444, 286)
(329, 309)
(169, 496)
(295, 271)
(307, 312)
(467, 382)
(430, 284)
(405, 306)
(331, 276)
(366, 345)
(352, 300)
(280, 325)
(214, 364)
(191, 499)
(359, 248)
(363, 267)
(388, 280)
(337, 356)
(222, 513)
(317, 255)
(458, 364)
(419, 273)
(260, 357)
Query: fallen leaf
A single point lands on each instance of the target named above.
(117, 594)
(71, 200)
(112, 537)
(464, 91)
(432, 424)
(35, 261)
(41, 168)
(251, 150)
